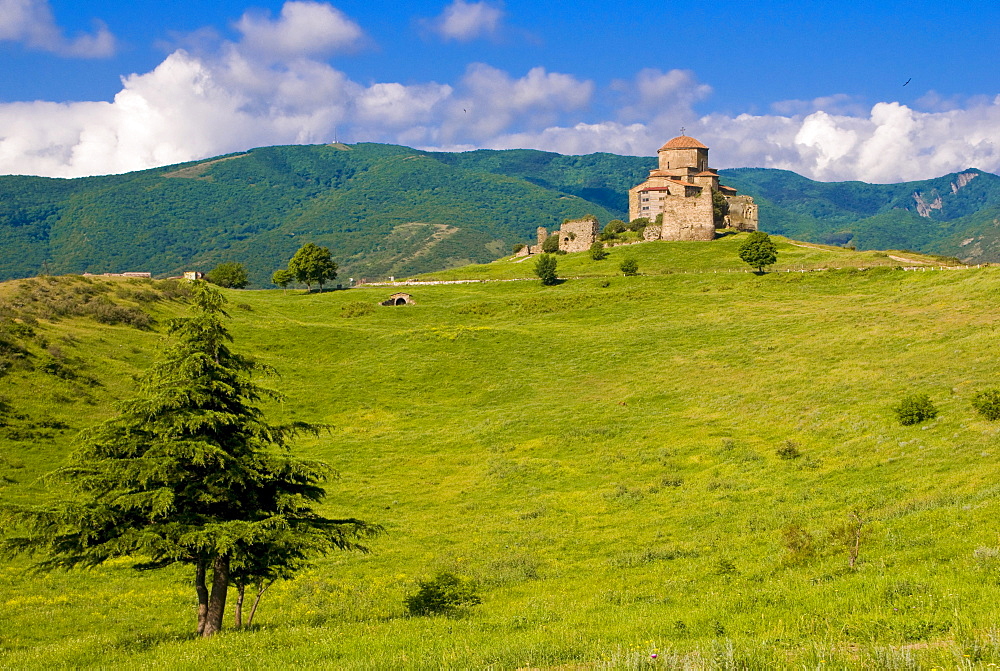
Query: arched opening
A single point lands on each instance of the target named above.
(400, 301)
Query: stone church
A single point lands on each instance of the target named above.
(680, 190)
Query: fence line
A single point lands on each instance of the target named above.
(415, 283)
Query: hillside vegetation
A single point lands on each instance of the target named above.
(670, 464)
(387, 210)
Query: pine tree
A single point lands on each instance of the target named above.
(190, 472)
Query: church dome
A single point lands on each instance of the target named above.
(683, 142)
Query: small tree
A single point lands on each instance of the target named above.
(915, 409)
(597, 251)
(545, 268)
(758, 251)
(987, 404)
(551, 244)
(849, 535)
(283, 278)
(313, 264)
(230, 275)
(629, 267)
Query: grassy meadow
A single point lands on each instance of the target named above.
(655, 465)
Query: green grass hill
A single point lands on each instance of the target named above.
(388, 210)
(672, 464)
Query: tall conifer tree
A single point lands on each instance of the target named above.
(190, 471)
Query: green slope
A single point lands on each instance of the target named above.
(604, 459)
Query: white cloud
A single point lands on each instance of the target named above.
(660, 97)
(31, 23)
(303, 29)
(838, 103)
(267, 88)
(464, 21)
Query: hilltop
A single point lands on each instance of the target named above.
(388, 210)
(655, 464)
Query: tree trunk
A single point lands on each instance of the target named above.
(217, 599)
(238, 608)
(256, 602)
(199, 586)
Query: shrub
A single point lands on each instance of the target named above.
(230, 275)
(614, 227)
(551, 244)
(915, 409)
(444, 593)
(518, 247)
(545, 268)
(638, 224)
(788, 450)
(597, 251)
(987, 404)
(799, 543)
(629, 267)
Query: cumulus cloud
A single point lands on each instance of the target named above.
(32, 23)
(271, 86)
(464, 21)
(303, 29)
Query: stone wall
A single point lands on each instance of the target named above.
(688, 218)
(577, 236)
(742, 213)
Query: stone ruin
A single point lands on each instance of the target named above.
(574, 236)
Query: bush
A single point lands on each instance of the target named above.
(613, 228)
(987, 404)
(597, 251)
(638, 224)
(788, 450)
(230, 275)
(915, 409)
(445, 593)
(629, 267)
(518, 247)
(551, 244)
(545, 268)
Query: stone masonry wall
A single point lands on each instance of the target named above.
(688, 218)
(577, 236)
(742, 213)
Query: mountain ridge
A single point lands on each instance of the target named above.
(380, 208)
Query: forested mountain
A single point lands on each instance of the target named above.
(391, 210)
(956, 215)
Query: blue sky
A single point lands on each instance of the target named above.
(98, 87)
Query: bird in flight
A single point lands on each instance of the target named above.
(908, 81)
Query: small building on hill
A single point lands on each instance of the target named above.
(399, 299)
(677, 196)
